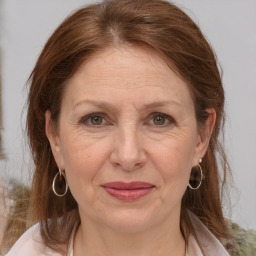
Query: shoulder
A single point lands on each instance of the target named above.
(209, 244)
(31, 244)
(244, 242)
(28, 243)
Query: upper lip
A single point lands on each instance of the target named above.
(128, 185)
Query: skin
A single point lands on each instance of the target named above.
(128, 85)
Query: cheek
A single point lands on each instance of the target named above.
(174, 160)
(83, 160)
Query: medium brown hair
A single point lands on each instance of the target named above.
(155, 24)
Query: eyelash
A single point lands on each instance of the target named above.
(84, 120)
(162, 115)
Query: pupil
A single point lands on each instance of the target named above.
(97, 120)
(159, 120)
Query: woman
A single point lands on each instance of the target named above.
(124, 113)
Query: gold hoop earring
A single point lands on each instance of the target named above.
(195, 180)
(58, 182)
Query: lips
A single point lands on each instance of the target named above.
(128, 191)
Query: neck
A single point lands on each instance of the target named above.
(96, 240)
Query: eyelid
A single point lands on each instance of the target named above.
(84, 120)
(168, 117)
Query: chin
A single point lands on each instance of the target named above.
(130, 221)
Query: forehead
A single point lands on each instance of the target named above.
(131, 73)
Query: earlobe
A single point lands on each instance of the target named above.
(51, 135)
(53, 138)
(209, 125)
(205, 134)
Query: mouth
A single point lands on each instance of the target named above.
(131, 191)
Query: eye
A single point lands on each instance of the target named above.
(160, 119)
(94, 119)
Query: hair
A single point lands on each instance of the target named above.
(16, 218)
(165, 29)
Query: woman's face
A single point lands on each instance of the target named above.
(127, 139)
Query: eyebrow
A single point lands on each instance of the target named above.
(106, 105)
(161, 104)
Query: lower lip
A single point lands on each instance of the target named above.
(128, 195)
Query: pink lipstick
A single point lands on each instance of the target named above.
(128, 191)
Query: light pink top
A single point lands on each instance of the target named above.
(30, 243)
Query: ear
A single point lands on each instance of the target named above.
(204, 136)
(52, 135)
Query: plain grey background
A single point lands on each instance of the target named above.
(229, 25)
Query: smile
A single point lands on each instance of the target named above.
(128, 191)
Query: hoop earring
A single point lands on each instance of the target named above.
(201, 178)
(57, 184)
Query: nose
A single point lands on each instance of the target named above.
(128, 152)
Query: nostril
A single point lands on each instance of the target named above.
(128, 163)
(128, 152)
